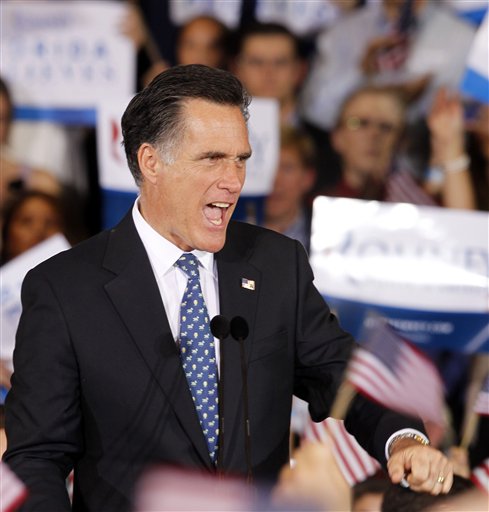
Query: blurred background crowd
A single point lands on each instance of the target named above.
(355, 121)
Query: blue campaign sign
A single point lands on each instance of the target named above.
(458, 332)
(475, 82)
(426, 269)
(115, 204)
(68, 116)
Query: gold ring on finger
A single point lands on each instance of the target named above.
(440, 479)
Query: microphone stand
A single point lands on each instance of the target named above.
(239, 331)
(244, 374)
(220, 329)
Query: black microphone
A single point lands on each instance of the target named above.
(240, 331)
(239, 328)
(220, 329)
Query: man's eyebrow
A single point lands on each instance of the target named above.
(211, 154)
(220, 154)
(245, 155)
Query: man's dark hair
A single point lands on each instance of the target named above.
(375, 484)
(264, 29)
(154, 115)
(400, 499)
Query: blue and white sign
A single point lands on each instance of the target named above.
(475, 83)
(471, 10)
(114, 173)
(61, 58)
(424, 268)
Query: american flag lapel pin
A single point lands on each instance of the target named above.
(249, 284)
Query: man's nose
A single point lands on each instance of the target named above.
(233, 176)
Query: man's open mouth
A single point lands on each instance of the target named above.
(215, 212)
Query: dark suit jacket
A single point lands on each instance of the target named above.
(98, 382)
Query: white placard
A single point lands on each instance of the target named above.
(401, 255)
(226, 11)
(299, 16)
(434, 52)
(264, 132)
(11, 276)
(114, 173)
(65, 54)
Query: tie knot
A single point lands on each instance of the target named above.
(189, 263)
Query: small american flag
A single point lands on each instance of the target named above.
(353, 461)
(249, 284)
(401, 187)
(481, 405)
(394, 373)
(480, 476)
(12, 491)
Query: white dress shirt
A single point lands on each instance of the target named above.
(172, 280)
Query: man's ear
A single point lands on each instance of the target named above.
(149, 162)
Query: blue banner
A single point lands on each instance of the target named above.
(457, 332)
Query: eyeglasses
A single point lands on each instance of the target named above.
(355, 123)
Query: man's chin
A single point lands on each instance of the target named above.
(213, 243)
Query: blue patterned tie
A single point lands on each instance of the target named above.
(197, 352)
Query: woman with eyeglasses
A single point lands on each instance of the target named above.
(368, 135)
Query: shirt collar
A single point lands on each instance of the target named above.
(162, 253)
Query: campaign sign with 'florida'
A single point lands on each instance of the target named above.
(61, 58)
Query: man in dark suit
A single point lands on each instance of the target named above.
(102, 379)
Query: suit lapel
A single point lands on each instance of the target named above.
(136, 297)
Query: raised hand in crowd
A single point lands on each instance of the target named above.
(447, 131)
(134, 26)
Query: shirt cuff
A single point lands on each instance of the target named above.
(402, 432)
(407, 432)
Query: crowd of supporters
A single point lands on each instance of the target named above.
(355, 121)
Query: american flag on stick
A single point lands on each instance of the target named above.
(480, 476)
(480, 405)
(353, 461)
(391, 371)
(12, 491)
